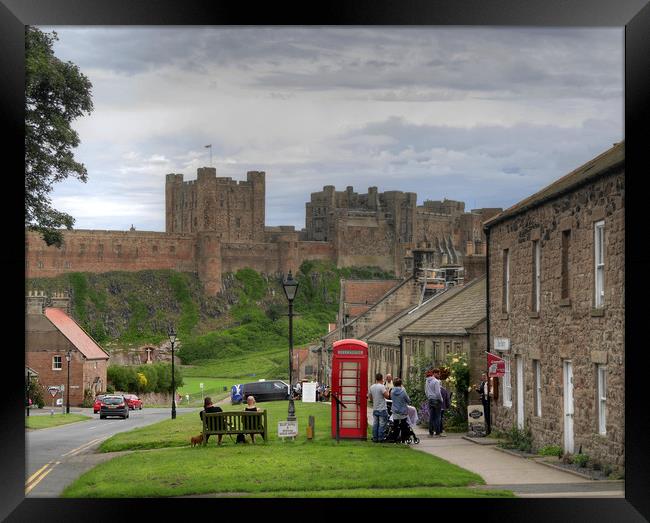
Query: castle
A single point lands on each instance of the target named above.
(215, 225)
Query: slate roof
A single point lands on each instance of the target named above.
(607, 162)
(390, 291)
(365, 292)
(388, 332)
(462, 311)
(75, 334)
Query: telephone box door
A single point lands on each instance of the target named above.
(350, 384)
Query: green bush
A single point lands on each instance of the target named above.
(89, 399)
(518, 439)
(581, 460)
(159, 377)
(551, 450)
(35, 393)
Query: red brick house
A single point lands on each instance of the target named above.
(50, 334)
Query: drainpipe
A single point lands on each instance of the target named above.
(487, 287)
(401, 351)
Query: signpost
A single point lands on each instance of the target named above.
(309, 392)
(53, 390)
(287, 429)
(501, 344)
(476, 420)
(496, 366)
(201, 387)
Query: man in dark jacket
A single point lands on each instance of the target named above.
(446, 403)
(209, 407)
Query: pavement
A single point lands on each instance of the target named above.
(524, 477)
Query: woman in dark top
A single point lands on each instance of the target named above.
(250, 407)
(209, 407)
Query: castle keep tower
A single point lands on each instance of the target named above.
(232, 209)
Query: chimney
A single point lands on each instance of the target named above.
(61, 300)
(34, 302)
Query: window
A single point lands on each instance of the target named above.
(602, 399)
(536, 275)
(505, 306)
(537, 369)
(458, 347)
(566, 236)
(56, 363)
(599, 258)
(507, 384)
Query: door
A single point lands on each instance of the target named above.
(349, 387)
(568, 406)
(520, 392)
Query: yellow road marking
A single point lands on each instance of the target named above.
(29, 488)
(30, 478)
(80, 448)
(85, 447)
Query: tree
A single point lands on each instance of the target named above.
(56, 93)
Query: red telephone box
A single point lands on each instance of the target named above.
(350, 385)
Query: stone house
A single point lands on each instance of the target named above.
(556, 310)
(50, 334)
(452, 321)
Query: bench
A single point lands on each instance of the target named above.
(233, 423)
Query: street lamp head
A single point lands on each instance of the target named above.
(68, 356)
(290, 287)
(172, 334)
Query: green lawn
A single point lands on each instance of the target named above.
(301, 468)
(44, 421)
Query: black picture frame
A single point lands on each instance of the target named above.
(634, 15)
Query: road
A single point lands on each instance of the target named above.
(55, 457)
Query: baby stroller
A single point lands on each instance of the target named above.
(404, 434)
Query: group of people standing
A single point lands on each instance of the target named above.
(390, 399)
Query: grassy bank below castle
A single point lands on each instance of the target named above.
(241, 332)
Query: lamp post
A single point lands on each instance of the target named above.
(68, 357)
(290, 287)
(172, 338)
(27, 387)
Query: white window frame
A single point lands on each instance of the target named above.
(507, 278)
(537, 275)
(537, 367)
(54, 361)
(599, 264)
(507, 383)
(602, 399)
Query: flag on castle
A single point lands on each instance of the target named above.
(496, 366)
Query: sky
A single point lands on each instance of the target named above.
(485, 115)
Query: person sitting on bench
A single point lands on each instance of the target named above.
(209, 407)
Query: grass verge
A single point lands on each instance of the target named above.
(45, 422)
(277, 468)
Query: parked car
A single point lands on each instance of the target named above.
(114, 405)
(98, 403)
(133, 401)
(266, 390)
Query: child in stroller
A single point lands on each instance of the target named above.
(397, 432)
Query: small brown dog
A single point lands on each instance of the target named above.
(196, 440)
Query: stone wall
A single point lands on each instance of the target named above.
(102, 251)
(565, 329)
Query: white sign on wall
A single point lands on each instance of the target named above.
(309, 392)
(501, 344)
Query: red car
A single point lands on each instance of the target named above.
(98, 403)
(133, 401)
